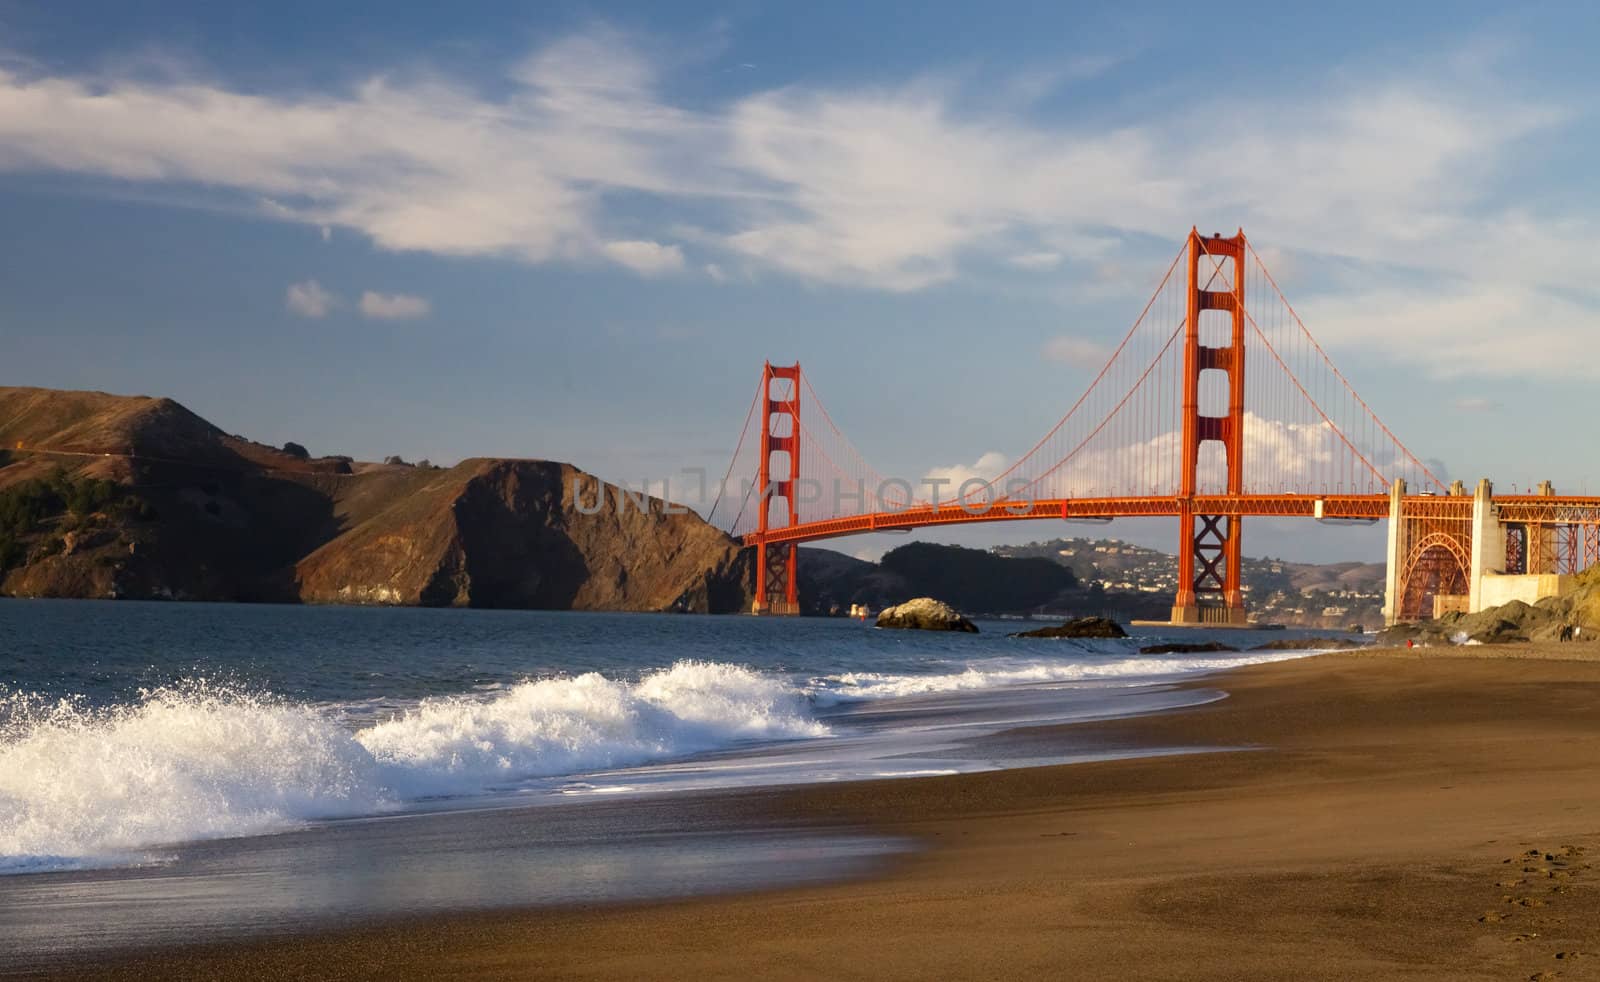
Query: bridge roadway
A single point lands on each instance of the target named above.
(1536, 509)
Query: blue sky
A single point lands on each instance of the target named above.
(576, 230)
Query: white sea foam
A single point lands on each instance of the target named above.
(81, 787)
(183, 763)
(856, 686)
(91, 787)
(587, 723)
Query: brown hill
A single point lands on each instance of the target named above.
(118, 496)
(506, 533)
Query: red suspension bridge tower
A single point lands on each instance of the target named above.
(1209, 553)
(777, 579)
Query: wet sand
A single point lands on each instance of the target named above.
(1419, 814)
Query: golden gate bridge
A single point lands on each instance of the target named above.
(1175, 426)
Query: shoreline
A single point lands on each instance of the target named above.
(1387, 793)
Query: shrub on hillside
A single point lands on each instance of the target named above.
(62, 501)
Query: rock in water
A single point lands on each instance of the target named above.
(925, 614)
(1182, 648)
(1079, 627)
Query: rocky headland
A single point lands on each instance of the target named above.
(134, 497)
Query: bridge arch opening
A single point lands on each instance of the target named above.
(1437, 566)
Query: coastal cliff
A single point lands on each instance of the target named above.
(508, 533)
(134, 497)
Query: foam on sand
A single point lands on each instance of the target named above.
(854, 686)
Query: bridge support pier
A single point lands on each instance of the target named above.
(1488, 543)
(777, 579)
(1451, 553)
(1209, 590)
(1395, 553)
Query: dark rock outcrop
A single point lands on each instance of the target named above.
(1081, 627)
(925, 614)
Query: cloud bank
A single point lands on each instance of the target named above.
(894, 188)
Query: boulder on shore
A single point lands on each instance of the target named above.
(1548, 620)
(1184, 648)
(1572, 616)
(1078, 627)
(925, 614)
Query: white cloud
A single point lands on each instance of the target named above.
(1031, 85)
(393, 306)
(1450, 329)
(309, 299)
(715, 271)
(645, 258)
(1305, 455)
(892, 187)
(986, 468)
(1477, 404)
(1081, 352)
(1036, 260)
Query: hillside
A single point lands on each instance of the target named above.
(972, 580)
(122, 496)
(1277, 591)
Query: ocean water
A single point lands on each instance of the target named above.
(307, 746)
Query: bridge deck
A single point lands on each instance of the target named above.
(1535, 509)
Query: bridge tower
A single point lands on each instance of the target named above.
(777, 566)
(1209, 547)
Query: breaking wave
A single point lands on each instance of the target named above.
(88, 787)
(83, 786)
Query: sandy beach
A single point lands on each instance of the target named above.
(1418, 814)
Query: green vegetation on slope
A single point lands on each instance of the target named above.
(26, 508)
